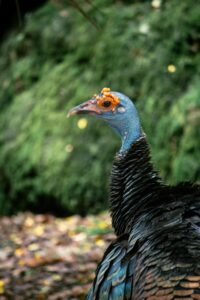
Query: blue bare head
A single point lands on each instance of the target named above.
(118, 111)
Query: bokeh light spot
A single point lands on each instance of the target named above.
(82, 123)
(156, 4)
(171, 69)
(69, 148)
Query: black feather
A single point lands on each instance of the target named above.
(156, 255)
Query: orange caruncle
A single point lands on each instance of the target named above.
(111, 100)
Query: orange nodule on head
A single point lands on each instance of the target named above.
(106, 100)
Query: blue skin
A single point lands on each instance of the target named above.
(125, 121)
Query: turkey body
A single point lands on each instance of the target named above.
(156, 255)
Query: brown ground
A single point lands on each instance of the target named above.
(43, 257)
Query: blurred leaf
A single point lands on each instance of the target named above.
(57, 60)
(53, 264)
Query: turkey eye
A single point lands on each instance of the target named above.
(106, 103)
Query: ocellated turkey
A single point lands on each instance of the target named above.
(156, 254)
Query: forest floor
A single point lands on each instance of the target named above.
(44, 257)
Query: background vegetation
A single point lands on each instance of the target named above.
(150, 50)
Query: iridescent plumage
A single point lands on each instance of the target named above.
(156, 254)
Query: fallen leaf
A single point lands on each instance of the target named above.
(100, 242)
(2, 287)
(38, 230)
(20, 252)
(29, 222)
(33, 247)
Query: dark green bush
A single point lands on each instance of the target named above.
(58, 60)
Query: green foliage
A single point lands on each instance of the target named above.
(58, 60)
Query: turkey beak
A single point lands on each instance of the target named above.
(89, 107)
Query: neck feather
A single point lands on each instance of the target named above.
(134, 185)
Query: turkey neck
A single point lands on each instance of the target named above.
(133, 186)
